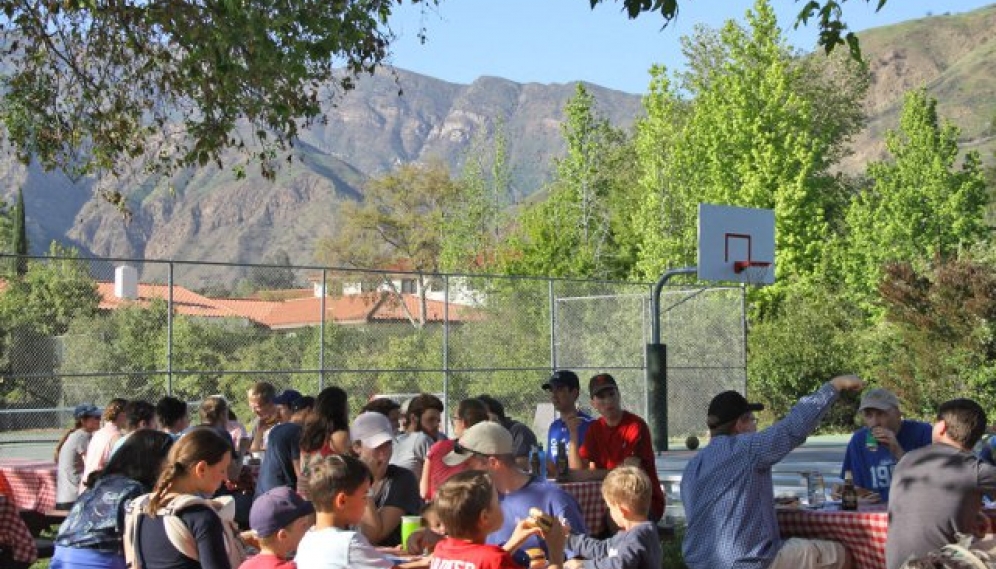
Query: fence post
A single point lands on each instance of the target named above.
(553, 326)
(446, 344)
(743, 328)
(321, 333)
(169, 330)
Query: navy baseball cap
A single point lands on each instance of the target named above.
(563, 378)
(287, 397)
(277, 509)
(87, 410)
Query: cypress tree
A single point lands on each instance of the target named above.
(20, 237)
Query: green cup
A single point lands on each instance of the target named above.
(871, 443)
(409, 525)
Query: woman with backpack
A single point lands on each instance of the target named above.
(91, 535)
(175, 527)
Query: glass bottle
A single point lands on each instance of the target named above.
(562, 464)
(849, 495)
(534, 461)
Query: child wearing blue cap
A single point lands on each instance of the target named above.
(279, 519)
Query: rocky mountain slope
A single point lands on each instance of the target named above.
(213, 216)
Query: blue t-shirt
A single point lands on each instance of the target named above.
(873, 470)
(541, 494)
(559, 432)
(283, 450)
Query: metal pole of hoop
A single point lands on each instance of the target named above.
(657, 364)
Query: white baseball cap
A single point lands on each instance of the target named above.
(372, 429)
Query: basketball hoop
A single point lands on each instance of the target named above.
(755, 272)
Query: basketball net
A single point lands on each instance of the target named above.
(754, 272)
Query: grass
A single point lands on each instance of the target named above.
(672, 549)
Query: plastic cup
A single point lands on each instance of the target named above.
(871, 443)
(409, 525)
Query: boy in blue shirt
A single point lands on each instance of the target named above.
(564, 388)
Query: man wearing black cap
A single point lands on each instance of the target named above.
(727, 491)
(565, 388)
(618, 437)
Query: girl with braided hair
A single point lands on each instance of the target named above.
(197, 465)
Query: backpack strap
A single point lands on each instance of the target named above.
(134, 510)
(180, 536)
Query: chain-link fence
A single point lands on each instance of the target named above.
(87, 330)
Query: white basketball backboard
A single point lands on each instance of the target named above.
(736, 244)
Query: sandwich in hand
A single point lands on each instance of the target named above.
(540, 519)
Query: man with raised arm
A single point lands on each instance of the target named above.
(728, 493)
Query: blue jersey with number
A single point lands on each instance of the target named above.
(559, 432)
(873, 470)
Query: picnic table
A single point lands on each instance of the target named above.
(16, 540)
(31, 482)
(862, 532)
(589, 498)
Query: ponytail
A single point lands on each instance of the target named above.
(58, 448)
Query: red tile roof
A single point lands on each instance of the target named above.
(186, 301)
(294, 312)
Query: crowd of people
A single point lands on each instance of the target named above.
(306, 486)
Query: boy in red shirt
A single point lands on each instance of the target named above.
(468, 506)
(617, 438)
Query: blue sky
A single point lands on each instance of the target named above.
(559, 41)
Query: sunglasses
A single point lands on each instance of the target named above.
(459, 449)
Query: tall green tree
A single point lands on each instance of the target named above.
(921, 205)
(751, 132)
(571, 232)
(20, 237)
(34, 309)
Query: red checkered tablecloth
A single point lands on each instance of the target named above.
(14, 534)
(32, 482)
(863, 532)
(589, 498)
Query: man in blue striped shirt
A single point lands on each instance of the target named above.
(728, 493)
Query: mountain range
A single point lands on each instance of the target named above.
(395, 117)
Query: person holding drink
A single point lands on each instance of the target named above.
(874, 449)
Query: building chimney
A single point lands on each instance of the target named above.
(126, 282)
